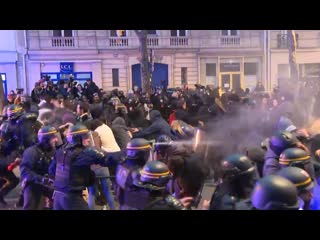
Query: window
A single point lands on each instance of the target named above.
(184, 75)
(152, 32)
(211, 69)
(250, 68)
(79, 77)
(62, 33)
(210, 74)
(309, 70)
(65, 76)
(4, 82)
(57, 33)
(53, 76)
(282, 39)
(229, 32)
(118, 33)
(178, 33)
(115, 77)
(230, 67)
(83, 75)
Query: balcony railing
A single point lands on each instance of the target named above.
(118, 42)
(155, 42)
(230, 41)
(282, 40)
(179, 41)
(63, 42)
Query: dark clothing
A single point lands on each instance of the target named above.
(186, 117)
(271, 163)
(10, 182)
(120, 133)
(127, 194)
(84, 118)
(136, 117)
(29, 127)
(71, 166)
(165, 203)
(91, 89)
(69, 201)
(223, 200)
(158, 127)
(34, 197)
(34, 166)
(35, 163)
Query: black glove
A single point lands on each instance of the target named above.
(94, 153)
(113, 159)
(46, 181)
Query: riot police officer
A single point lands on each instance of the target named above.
(34, 168)
(182, 130)
(239, 175)
(183, 135)
(302, 180)
(278, 143)
(275, 193)
(71, 168)
(152, 182)
(12, 130)
(22, 128)
(138, 153)
(297, 157)
(7, 157)
(162, 148)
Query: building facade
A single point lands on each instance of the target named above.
(307, 56)
(226, 58)
(12, 59)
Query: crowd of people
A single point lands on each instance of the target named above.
(78, 147)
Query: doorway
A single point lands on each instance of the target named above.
(230, 81)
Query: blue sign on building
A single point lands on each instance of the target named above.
(66, 67)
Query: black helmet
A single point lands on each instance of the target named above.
(182, 130)
(275, 193)
(163, 143)
(299, 177)
(77, 133)
(297, 157)
(138, 149)
(294, 157)
(237, 165)
(154, 176)
(281, 141)
(46, 133)
(14, 111)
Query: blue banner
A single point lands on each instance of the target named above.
(66, 67)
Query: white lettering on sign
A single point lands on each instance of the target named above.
(65, 67)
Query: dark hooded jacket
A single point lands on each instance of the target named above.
(158, 127)
(120, 132)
